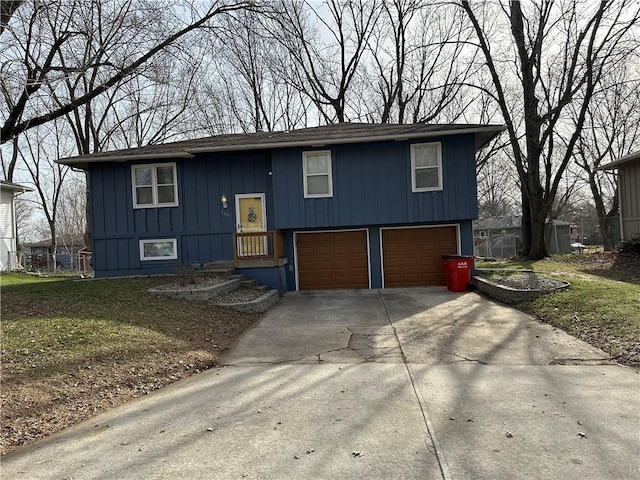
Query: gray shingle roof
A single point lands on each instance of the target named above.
(314, 136)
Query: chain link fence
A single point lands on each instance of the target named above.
(496, 245)
(62, 263)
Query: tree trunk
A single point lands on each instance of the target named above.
(525, 225)
(605, 220)
(608, 228)
(537, 249)
(51, 261)
(534, 215)
(12, 163)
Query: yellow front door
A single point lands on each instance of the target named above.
(251, 219)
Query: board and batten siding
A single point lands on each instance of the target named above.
(372, 186)
(629, 188)
(199, 223)
(7, 229)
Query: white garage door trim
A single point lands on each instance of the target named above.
(459, 245)
(303, 232)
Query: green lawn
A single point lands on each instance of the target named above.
(602, 306)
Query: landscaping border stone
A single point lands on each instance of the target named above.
(202, 293)
(512, 295)
(259, 305)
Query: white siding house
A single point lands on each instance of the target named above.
(8, 192)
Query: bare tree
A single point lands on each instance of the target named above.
(47, 43)
(24, 217)
(124, 50)
(7, 9)
(70, 218)
(38, 149)
(245, 78)
(557, 54)
(419, 63)
(9, 159)
(496, 184)
(326, 46)
(611, 131)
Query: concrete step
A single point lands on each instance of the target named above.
(249, 283)
(223, 272)
(262, 288)
(219, 265)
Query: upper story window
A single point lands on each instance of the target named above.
(154, 185)
(316, 167)
(426, 167)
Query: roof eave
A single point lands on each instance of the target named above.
(82, 162)
(16, 187)
(483, 134)
(624, 160)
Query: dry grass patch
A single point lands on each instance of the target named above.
(73, 349)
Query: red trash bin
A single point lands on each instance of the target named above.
(457, 271)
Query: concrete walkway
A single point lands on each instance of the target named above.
(402, 383)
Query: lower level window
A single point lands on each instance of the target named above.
(158, 249)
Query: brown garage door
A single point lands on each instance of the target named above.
(412, 256)
(332, 260)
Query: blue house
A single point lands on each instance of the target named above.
(338, 206)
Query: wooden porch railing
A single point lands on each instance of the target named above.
(258, 246)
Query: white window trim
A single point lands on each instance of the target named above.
(413, 167)
(305, 175)
(154, 240)
(154, 185)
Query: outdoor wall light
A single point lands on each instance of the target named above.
(223, 199)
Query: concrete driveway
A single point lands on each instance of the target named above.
(374, 384)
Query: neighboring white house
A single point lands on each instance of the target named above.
(8, 234)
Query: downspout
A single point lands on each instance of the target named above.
(620, 207)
